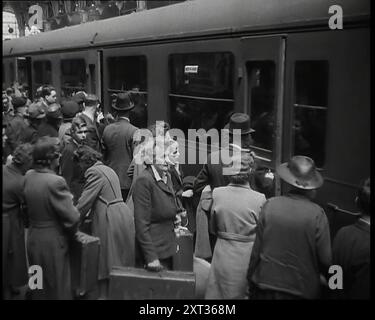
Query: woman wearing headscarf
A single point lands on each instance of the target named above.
(53, 221)
(112, 221)
(14, 251)
(234, 214)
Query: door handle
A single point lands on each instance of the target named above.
(337, 208)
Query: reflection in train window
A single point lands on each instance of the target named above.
(310, 109)
(42, 73)
(73, 76)
(201, 90)
(129, 73)
(11, 67)
(261, 84)
(22, 70)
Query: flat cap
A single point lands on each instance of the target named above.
(69, 109)
(18, 102)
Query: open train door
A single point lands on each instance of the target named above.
(327, 113)
(263, 58)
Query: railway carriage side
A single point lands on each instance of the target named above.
(306, 91)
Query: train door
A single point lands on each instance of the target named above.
(264, 62)
(327, 112)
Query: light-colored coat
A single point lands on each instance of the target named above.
(113, 222)
(234, 213)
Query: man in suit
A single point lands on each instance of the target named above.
(118, 141)
(90, 109)
(48, 96)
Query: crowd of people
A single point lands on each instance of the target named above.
(69, 170)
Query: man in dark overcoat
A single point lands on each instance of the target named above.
(14, 253)
(292, 249)
(53, 221)
(212, 172)
(118, 141)
(17, 125)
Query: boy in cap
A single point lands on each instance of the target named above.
(50, 127)
(292, 249)
(69, 109)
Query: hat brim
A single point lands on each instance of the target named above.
(124, 109)
(251, 130)
(315, 182)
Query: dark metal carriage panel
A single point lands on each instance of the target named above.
(190, 18)
(348, 122)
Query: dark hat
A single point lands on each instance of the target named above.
(123, 102)
(36, 111)
(300, 172)
(18, 102)
(79, 97)
(46, 148)
(91, 100)
(69, 109)
(54, 111)
(240, 162)
(240, 121)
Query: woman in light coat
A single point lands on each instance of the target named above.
(234, 214)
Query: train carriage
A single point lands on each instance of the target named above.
(305, 86)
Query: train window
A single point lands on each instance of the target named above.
(310, 109)
(73, 76)
(201, 94)
(129, 73)
(261, 85)
(11, 67)
(42, 72)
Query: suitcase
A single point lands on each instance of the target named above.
(183, 259)
(84, 264)
(127, 283)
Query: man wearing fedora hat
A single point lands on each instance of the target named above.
(50, 127)
(69, 109)
(292, 249)
(212, 173)
(118, 141)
